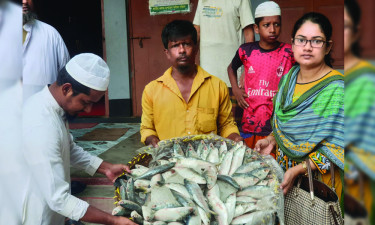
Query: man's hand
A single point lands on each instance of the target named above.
(97, 216)
(240, 95)
(152, 140)
(235, 137)
(123, 221)
(265, 145)
(112, 171)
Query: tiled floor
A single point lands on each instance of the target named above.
(99, 147)
(99, 191)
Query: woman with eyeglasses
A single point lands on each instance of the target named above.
(308, 119)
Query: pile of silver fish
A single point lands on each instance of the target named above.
(202, 180)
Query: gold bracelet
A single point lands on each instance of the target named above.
(305, 167)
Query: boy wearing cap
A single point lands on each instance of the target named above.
(50, 150)
(265, 62)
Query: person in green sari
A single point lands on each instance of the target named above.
(308, 119)
(359, 115)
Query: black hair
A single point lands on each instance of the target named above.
(354, 12)
(178, 29)
(259, 19)
(64, 77)
(324, 24)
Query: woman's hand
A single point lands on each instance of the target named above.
(292, 173)
(288, 181)
(265, 145)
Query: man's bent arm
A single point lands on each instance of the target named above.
(248, 33)
(148, 122)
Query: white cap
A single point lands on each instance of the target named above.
(89, 70)
(269, 8)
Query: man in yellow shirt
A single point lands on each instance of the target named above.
(186, 100)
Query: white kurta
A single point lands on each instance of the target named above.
(50, 151)
(12, 163)
(44, 54)
(221, 23)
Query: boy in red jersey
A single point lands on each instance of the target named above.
(265, 62)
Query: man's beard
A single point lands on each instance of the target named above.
(29, 17)
(184, 69)
(69, 117)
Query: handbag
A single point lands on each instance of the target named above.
(310, 201)
(355, 211)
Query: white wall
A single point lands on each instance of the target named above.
(117, 48)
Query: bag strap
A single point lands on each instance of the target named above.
(332, 168)
(309, 174)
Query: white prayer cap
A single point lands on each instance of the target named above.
(89, 70)
(268, 8)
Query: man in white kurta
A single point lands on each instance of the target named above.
(50, 150)
(220, 24)
(12, 163)
(44, 53)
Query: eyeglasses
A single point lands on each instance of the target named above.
(314, 43)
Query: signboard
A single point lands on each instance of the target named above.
(158, 7)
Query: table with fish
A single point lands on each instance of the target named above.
(201, 179)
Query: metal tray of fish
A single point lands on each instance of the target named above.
(201, 179)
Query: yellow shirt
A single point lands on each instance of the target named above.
(301, 88)
(166, 114)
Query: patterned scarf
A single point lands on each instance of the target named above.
(314, 122)
(360, 117)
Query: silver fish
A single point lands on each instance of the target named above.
(213, 156)
(190, 174)
(230, 204)
(187, 202)
(259, 217)
(173, 214)
(156, 180)
(148, 213)
(158, 169)
(177, 150)
(226, 163)
(245, 180)
(200, 148)
(181, 189)
(130, 190)
(229, 180)
(193, 220)
(191, 152)
(218, 206)
(130, 205)
(223, 148)
(261, 173)
(257, 191)
(196, 194)
(237, 160)
(119, 211)
(248, 167)
(137, 218)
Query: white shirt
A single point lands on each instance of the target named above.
(12, 163)
(44, 54)
(50, 151)
(221, 23)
